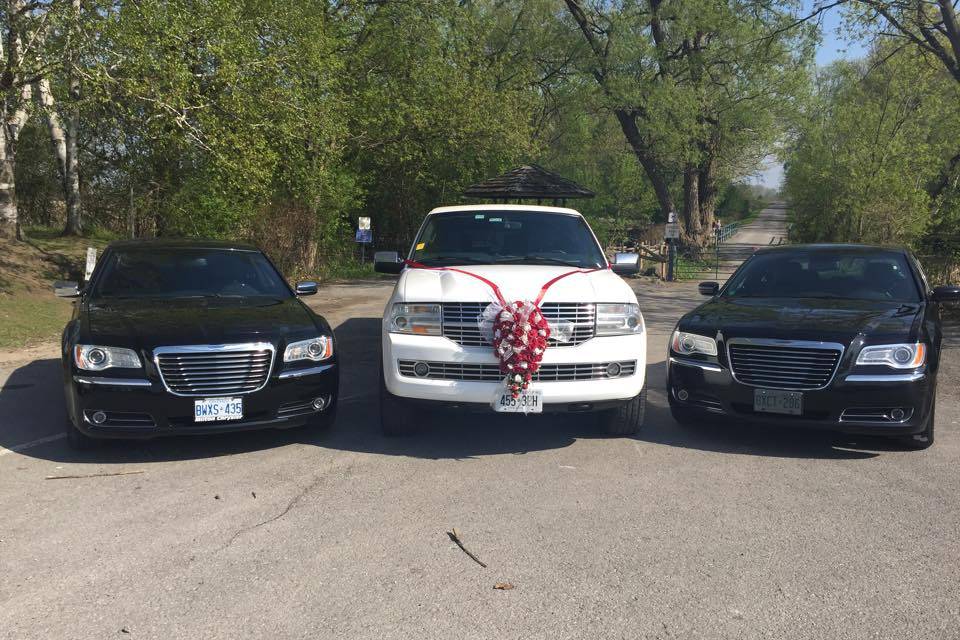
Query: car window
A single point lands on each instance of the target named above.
(177, 273)
(860, 276)
(506, 237)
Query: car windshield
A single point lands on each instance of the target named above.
(507, 237)
(882, 275)
(188, 272)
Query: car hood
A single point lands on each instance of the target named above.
(517, 282)
(826, 320)
(149, 323)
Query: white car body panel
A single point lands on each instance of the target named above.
(517, 282)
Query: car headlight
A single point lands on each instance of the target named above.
(898, 356)
(689, 343)
(619, 319)
(96, 358)
(315, 349)
(419, 318)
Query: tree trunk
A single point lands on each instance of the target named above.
(58, 137)
(691, 205)
(708, 196)
(9, 221)
(628, 124)
(13, 116)
(71, 179)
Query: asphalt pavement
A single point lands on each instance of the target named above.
(699, 532)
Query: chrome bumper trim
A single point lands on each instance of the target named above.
(113, 382)
(896, 377)
(706, 366)
(299, 373)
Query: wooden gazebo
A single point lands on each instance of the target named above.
(528, 182)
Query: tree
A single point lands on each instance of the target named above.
(20, 43)
(871, 146)
(695, 87)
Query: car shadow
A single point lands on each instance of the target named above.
(32, 409)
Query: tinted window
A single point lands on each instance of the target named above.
(509, 237)
(175, 273)
(859, 276)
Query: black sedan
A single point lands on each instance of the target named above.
(186, 337)
(844, 337)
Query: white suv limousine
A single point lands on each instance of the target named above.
(511, 308)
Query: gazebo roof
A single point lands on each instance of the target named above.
(528, 182)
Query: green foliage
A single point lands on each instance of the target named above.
(875, 137)
(282, 121)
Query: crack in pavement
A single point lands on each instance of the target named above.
(290, 505)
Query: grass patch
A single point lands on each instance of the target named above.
(688, 268)
(29, 312)
(29, 317)
(350, 270)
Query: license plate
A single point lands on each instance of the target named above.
(530, 401)
(217, 409)
(773, 401)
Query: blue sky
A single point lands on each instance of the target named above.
(834, 46)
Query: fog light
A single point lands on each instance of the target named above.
(320, 404)
(99, 417)
(421, 369)
(897, 415)
(613, 370)
(683, 395)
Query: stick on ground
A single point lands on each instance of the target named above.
(456, 539)
(94, 475)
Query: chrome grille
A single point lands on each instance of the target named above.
(460, 321)
(212, 370)
(784, 365)
(491, 372)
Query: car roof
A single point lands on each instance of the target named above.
(519, 208)
(180, 243)
(830, 248)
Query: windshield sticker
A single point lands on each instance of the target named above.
(421, 245)
(479, 216)
(496, 219)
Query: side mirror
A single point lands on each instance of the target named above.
(709, 288)
(626, 264)
(66, 289)
(387, 262)
(948, 293)
(306, 288)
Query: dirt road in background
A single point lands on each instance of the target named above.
(703, 532)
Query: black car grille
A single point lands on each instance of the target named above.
(783, 367)
(210, 371)
(491, 372)
(460, 321)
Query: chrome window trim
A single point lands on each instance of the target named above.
(113, 382)
(299, 373)
(885, 378)
(776, 342)
(706, 366)
(215, 348)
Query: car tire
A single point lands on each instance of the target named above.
(924, 439)
(626, 419)
(396, 416)
(78, 440)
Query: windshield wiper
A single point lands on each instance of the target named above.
(539, 259)
(454, 260)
